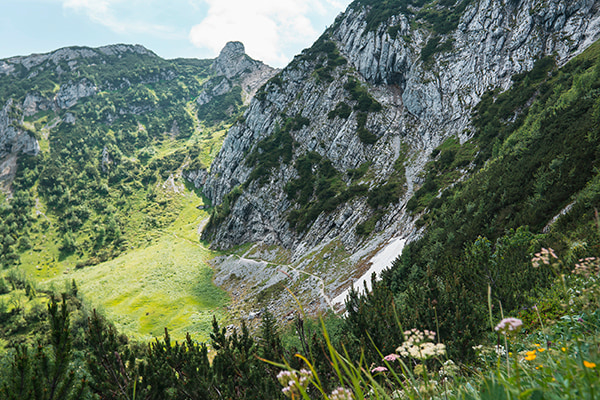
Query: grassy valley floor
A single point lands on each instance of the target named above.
(164, 283)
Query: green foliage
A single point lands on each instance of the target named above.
(327, 57)
(226, 107)
(382, 11)
(372, 319)
(319, 188)
(221, 212)
(364, 134)
(365, 102)
(380, 197)
(498, 115)
(48, 374)
(434, 46)
(539, 164)
(341, 110)
(450, 158)
(442, 19)
(100, 170)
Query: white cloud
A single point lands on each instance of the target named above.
(103, 12)
(266, 27)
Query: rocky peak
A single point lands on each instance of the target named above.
(233, 60)
(233, 67)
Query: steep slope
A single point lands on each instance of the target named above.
(331, 150)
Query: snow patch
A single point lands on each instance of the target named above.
(381, 261)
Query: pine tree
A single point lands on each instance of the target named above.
(47, 374)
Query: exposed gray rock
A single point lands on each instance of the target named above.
(424, 103)
(198, 177)
(68, 95)
(14, 141)
(70, 54)
(106, 160)
(232, 68)
(35, 103)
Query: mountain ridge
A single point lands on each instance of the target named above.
(426, 80)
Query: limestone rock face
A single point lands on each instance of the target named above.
(69, 94)
(233, 67)
(14, 141)
(424, 102)
(232, 61)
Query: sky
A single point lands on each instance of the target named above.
(272, 31)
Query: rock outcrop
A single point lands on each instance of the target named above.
(426, 98)
(14, 141)
(233, 67)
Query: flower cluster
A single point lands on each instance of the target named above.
(545, 256)
(379, 369)
(587, 266)
(509, 325)
(530, 355)
(417, 345)
(292, 381)
(341, 394)
(391, 357)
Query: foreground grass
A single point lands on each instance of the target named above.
(552, 353)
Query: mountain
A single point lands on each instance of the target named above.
(123, 76)
(94, 144)
(331, 162)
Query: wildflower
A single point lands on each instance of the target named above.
(391, 357)
(420, 369)
(499, 349)
(530, 355)
(543, 257)
(292, 381)
(417, 345)
(341, 394)
(541, 349)
(509, 325)
(589, 364)
(379, 369)
(587, 266)
(563, 349)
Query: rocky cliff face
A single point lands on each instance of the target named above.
(427, 83)
(14, 140)
(233, 68)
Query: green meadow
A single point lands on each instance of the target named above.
(166, 282)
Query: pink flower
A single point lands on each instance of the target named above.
(379, 369)
(509, 325)
(391, 357)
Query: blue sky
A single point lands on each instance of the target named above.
(272, 30)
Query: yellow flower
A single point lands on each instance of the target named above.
(540, 349)
(537, 345)
(563, 349)
(530, 355)
(589, 364)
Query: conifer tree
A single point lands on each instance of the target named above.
(47, 374)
